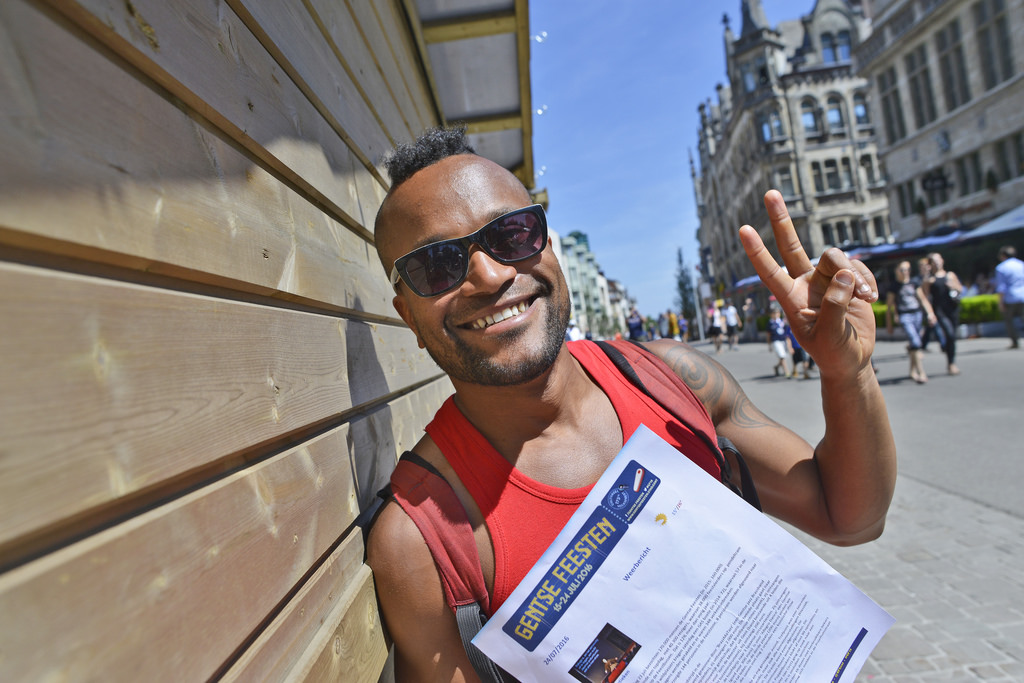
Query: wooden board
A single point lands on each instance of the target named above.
(353, 648)
(356, 28)
(240, 89)
(347, 40)
(280, 647)
(113, 388)
(400, 43)
(171, 593)
(315, 69)
(143, 186)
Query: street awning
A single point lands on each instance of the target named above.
(476, 55)
(1009, 221)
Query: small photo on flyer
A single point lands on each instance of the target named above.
(606, 657)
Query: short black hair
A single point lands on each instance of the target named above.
(429, 148)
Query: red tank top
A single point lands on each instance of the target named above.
(523, 515)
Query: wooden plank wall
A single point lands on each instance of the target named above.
(205, 381)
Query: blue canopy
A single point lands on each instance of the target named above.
(1011, 220)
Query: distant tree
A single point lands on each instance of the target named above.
(685, 298)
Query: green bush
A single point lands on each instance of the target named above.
(879, 308)
(983, 308)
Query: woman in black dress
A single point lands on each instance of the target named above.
(943, 288)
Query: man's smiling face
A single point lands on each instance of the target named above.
(504, 324)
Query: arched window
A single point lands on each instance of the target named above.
(828, 48)
(834, 114)
(860, 109)
(771, 125)
(809, 116)
(844, 46)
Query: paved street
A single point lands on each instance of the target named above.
(950, 565)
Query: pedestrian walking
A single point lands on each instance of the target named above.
(1010, 288)
(635, 323)
(778, 341)
(716, 324)
(928, 330)
(907, 306)
(943, 289)
(732, 324)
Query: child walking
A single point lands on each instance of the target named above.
(778, 340)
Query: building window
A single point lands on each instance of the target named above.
(834, 114)
(847, 172)
(968, 173)
(935, 195)
(1004, 160)
(832, 174)
(920, 83)
(749, 79)
(879, 227)
(809, 117)
(843, 46)
(860, 109)
(901, 194)
(771, 126)
(784, 181)
(908, 198)
(869, 169)
(841, 232)
(993, 32)
(828, 49)
(858, 236)
(827, 235)
(819, 184)
(974, 169)
(961, 176)
(892, 110)
(1018, 146)
(952, 65)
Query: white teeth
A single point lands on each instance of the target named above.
(481, 323)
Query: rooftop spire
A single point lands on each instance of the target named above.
(754, 19)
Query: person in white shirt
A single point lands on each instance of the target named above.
(1010, 288)
(732, 325)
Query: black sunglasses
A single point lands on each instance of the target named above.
(439, 266)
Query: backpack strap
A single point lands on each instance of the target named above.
(431, 503)
(651, 375)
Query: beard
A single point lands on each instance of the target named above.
(466, 363)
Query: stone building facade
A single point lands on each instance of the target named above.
(948, 83)
(796, 117)
(598, 304)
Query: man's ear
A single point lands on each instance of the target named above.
(403, 310)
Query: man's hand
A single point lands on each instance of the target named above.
(829, 305)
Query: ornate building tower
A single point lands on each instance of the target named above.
(795, 117)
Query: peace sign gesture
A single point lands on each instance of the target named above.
(829, 305)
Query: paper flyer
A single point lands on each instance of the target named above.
(663, 574)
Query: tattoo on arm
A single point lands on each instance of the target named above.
(716, 388)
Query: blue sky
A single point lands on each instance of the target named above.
(619, 84)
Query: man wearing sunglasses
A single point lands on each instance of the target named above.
(533, 418)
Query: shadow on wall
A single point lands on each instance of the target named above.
(371, 438)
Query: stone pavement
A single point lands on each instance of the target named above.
(950, 565)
